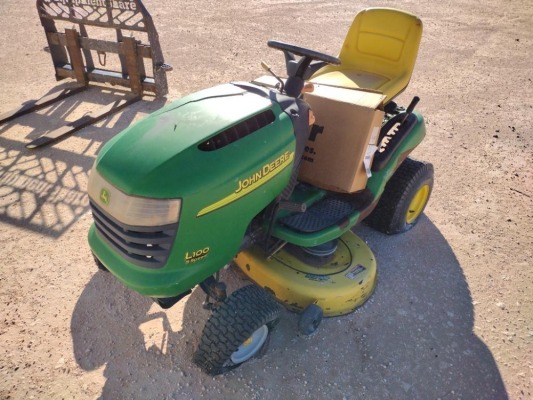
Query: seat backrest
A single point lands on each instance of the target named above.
(383, 41)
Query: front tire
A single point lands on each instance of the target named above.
(404, 199)
(237, 331)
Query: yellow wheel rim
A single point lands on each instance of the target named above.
(417, 204)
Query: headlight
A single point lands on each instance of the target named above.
(131, 210)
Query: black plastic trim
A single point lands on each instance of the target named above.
(147, 247)
(386, 150)
(238, 131)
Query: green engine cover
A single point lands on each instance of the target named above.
(223, 177)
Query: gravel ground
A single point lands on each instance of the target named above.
(452, 316)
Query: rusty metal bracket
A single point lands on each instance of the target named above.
(71, 54)
(126, 15)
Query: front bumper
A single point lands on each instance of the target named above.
(160, 283)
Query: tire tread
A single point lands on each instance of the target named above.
(241, 314)
(389, 215)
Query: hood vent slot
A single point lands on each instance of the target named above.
(237, 132)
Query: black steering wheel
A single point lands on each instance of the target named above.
(299, 71)
(303, 52)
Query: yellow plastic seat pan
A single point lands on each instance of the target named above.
(379, 53)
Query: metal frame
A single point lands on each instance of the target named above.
(72, 57)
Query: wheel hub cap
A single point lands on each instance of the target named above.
(250, 346)
(417, 204)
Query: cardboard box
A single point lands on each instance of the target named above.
(344, 135)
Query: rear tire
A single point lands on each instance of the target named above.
(404, 199)
(237, 331)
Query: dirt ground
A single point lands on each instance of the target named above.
(452, 316)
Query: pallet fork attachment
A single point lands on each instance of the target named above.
(72, 57)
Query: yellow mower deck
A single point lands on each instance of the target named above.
(338, 287)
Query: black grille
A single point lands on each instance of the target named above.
(144, 246)
(238, 131)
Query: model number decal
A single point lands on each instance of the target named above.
(194, 256)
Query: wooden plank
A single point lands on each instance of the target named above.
(76, 59)
(89, 63)
(105, 76)
(56, 38)
(93, 117)
(33, 105)
(140, 65)
(58, 53)
(130, 48)
(122, 54)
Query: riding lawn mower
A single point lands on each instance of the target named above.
(216, 178)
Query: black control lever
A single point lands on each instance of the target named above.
(410, 108)
(267, 68)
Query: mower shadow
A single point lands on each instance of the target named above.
(412, 340)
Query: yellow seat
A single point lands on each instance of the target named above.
(379, 53)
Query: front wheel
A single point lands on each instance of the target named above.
(237, 331)
(310, 319)
(404, 198)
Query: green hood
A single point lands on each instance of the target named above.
(159, 156)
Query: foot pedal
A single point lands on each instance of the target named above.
(321, 215)
(328, 211)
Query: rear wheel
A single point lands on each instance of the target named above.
(237, 331)
(404, 199)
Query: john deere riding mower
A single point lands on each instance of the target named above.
(272, 176)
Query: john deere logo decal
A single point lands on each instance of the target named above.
(105, 197)
(252, 182)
